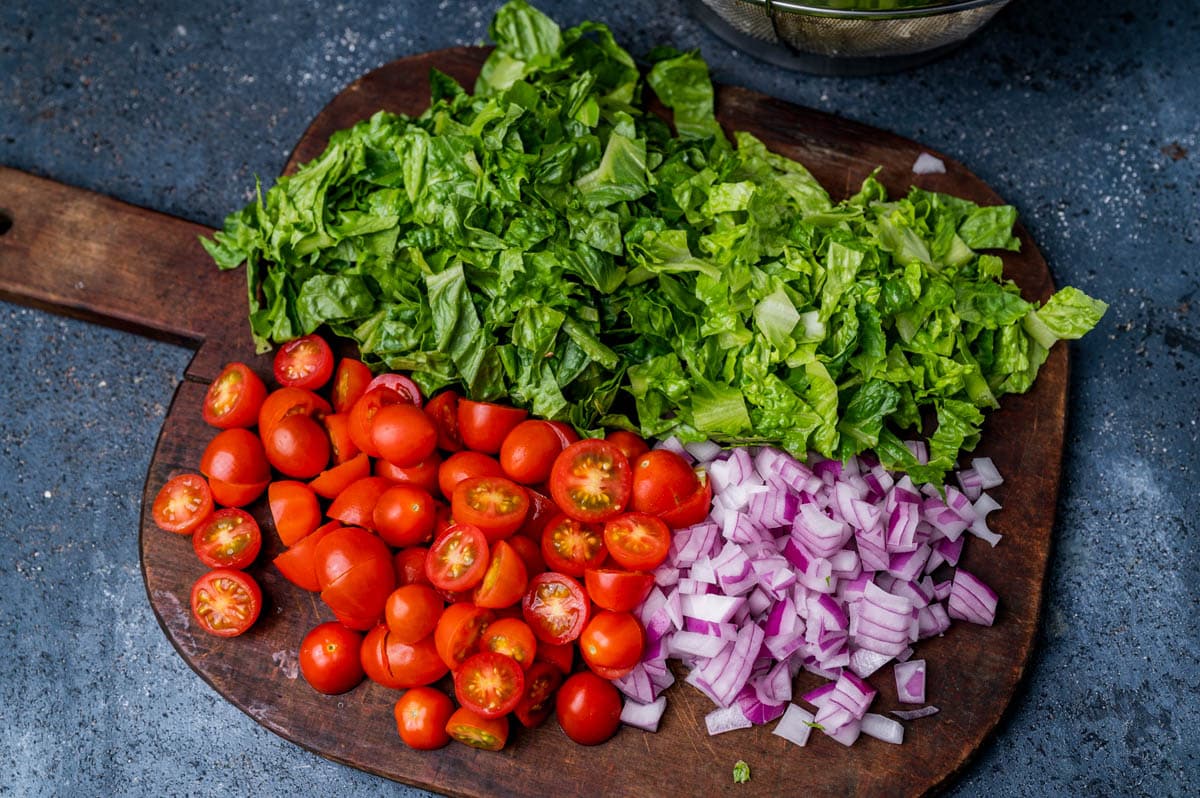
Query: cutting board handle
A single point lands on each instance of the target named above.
(75, 252)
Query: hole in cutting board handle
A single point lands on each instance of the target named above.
(6, 221)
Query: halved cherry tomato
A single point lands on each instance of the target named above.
(237, 456)
(226, 602)
(355, 505)
(470, 728)
(561, 656)
(294, 508)
(341, 446)
(619, 591)
(555, 607)
(297, 446)
(528, 452)
(458, 559)
(234, 398)
(400, 665)
(489, 684)
(330, 658)
(410, 566)
(403, 435)
(412, 612)
(182, 504)
(306, 362)
(404, 516)
(496, 505)
(234, 494)
(588, 708)
(230, 538)
(637, 541)
(613, 641)
(633, 446)
(356, 574)
(298, 563)
(662, 480)
(530, 553)
(484, 425)
(464, 465)
(443, 411)
(400, 384)
(505, 579)
(459, 630)
(332, 481)
(421, 717)
(542, 510)
(350, 381)
(423, 475)
(362, 414)
(541, 681)
(693, 510)
(511, 637)
(571, 547)
(285, 402)
(591, 480)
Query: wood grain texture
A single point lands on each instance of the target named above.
(974, 671)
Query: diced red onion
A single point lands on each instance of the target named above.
(726, 719)
(795, 726)
(673, 444)
(645, 716)
(696, 644)
(988, 473)
(971, 600)
(755, 709)
(637, 685)
(910, 681)
(703, 451)
(882, 728)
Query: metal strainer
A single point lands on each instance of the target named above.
(846, 37)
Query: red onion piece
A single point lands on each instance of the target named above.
(645, 716)
(910, 681)
(795, 726)
(882, 728)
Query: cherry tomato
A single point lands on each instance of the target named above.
(571, 547)
(295, 510)
(341, 446)
(619, 591)
(410, 566)
(541, 681)
(412, 612)
(234, 398)
(230, 538)
(561, 656)
(591, 480)
(662, 480)
(400, 665)
(350, 381)
(332, 481)
(469, 728)
(464, 465)
(511, 637)
(458, 558)
(489, 684)
(356, 504)
(542, 510)
(404, 516)
(226, 602)
(693, 510)
(459, 630)
(530, 553)
(356, 575)
(236, 456)
(298, 563)
(588, 708)
(423, 475)
(400, 384)
(633, 446)
(496, 505)
(528, 452)
(306, 362)
(612, 640)
(182, 504)
(421, 717)
(362, 415)
(555, 607)
(403, 435)
(329, 658)
(285, 402)
(637, 541)
(483, 425)
(505, 579)
(443, 411)
(297, 446)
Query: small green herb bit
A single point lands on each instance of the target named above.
(741, 772)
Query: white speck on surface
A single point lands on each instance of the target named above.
(47, 495)
(927, 164)
(288, 662)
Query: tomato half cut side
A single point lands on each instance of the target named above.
(638, 541)
(226, 602)
(234, 398)
(496, 505)
(230, 538)
(505, 579)
(443, 411)
(341, 446)
(555, 607)
(350, 381)
(421, 717)
(541, 681)
(305, 362)
(483, 426)
(182, 504)
(513, 638)
(489, 684)
(457, 559)
(619, 591)
(591, 480)
(470, 728)
(571, 547)
(458, 632)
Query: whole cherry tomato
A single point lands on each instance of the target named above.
(421, 717)
(306, 362)
(588, 708)
(329, 658)
(234, 398)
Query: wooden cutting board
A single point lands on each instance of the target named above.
(79, 253)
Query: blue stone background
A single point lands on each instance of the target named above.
(1083, 114)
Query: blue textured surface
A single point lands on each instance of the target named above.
(1082, 114)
